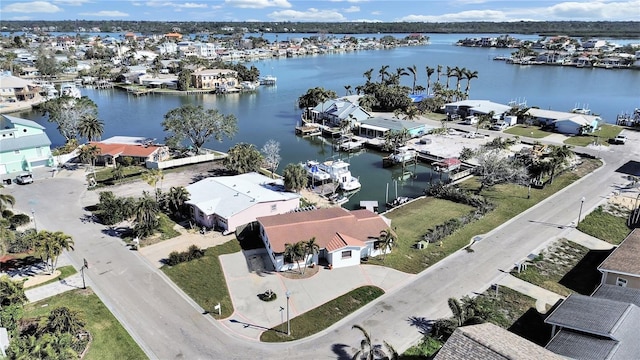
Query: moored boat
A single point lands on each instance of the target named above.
(402, 155)
(314, 172)
(70, 90)
(339, 172)
(268, 80)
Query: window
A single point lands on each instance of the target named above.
(621, 282)
(274, 207)
(346, 254)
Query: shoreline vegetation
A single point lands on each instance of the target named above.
(612, 29)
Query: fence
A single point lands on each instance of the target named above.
(185, 161)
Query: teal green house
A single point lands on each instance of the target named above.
(23, 145)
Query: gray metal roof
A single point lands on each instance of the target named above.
(392, 124)
(230, 195)
(25, 142)
(581, 346)
(593, 315)
(618, 293)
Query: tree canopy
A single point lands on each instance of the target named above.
(198, 125)
(74, 117)
(243, 158)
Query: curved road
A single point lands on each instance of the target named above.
(168, 325)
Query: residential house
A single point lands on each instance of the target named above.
(344, 237)
(113, 150)
(14, 89)
(214, 79)
(23, 145)
(226, 202)
(491, 342)
(333, 112)
(565, 122)
(466, 108)
(173, 36)
(622, 267)
(378, 127)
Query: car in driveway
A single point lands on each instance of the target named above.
(24, 178)
(620, 139)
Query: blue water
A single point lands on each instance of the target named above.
(271, 112)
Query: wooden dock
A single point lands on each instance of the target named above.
(308, 130)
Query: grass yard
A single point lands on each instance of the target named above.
(602, 136)
(533, 132)
(411, 222)
(554, 263)
(605, 226)
(323, 316)
(203, 280)
(110, 339)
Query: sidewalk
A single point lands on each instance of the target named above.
(588, 241)
(42, 292)
(543, 297)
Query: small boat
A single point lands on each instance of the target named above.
(339, 172)
(398, 201)
(70, 90)
(402, 155)
(338, 199)
(268, 80)
(248, 85)
(314, 172)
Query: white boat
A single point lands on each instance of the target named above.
(339, 172)
(70, 90)
(338, 199)
(314, 172)
(248, 85)
(49, 91)
(268, 80)
(402, 155)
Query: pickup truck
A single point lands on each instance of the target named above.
(620, 139)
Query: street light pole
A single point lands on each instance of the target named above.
(33, 214)
(580, 213)
(288, 293)
(85, 265)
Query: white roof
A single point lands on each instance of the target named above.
(559, 115)
(230, 195)
(482, 106)
(10, 81)
(131, 140)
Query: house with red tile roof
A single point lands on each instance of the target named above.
(141, 150)
(344, 237)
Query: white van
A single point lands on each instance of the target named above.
(470, 120)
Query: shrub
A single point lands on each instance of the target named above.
(176, 257)
(19, 219)
(268, 296)
(6, 213)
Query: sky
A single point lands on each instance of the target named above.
(322, 10)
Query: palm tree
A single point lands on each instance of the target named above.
(146, 213)
(117, 172)
(468, 75)
(387, 240)
(368, 74)
(439, 72)
(50, 245)
(63, 320)
(483, 119)
(152, 177)
(449, 74)
(295, 177)
(176, 199)
(88, 155)
(311, 249)
(370, 351)
(11, 292)
(6, 199)
(90, 128)
(430, 71)
(383, 72)
(458, 73)
(295, 252)
(413, 70)
(347, 89)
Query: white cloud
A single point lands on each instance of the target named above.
(595, 10)
(31, 7)
(258, 4)
(377, 12)
(188, 5)
(309, 15)
(71, 2)
(471, 15)
(350, 1)
(106, 13)
(352, 9)
(193, 6)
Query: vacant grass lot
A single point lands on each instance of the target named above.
(110, 339)
(602, 136)
(548, 269)
(203, 280)
(412, 221)
(323, 316)
(605, 226)
(527, 131)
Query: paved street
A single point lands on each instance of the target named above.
(168, 325)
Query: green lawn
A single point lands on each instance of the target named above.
(601, 136)
(548, 269)
(110, 339)
(65, 272)
(203, 279)
(323, 316)
(527, 131)
(605, 226)
(411, 222)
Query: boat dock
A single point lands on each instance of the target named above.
(139, 92)
(308, 130)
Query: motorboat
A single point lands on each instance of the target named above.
(401, 155)
(338, 199)
(314, 172)
(398, 201)
(70, 90)
(248, 85)
(268, 80)
(339, 172)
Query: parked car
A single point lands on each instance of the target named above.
(499, 126)
(24, 178)
(620, 139)
(470, 120)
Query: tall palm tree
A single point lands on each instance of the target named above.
(146, 215)
(469, 75)
(311, 249)
(6, 199)
(368, 74)
(176, 199)
(152, 177)
(50, 245)
(383, 72)
(430, 72)
(449, 74)
(387, 240)
(90, 128)
(458, 73)
(559, 156)
(347, 89)
(413, 70)
(88, 155)
(439, 73)
(295, 252)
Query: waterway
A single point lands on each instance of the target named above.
(271, 112)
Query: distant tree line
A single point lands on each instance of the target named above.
(620, 29)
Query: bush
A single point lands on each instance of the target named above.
(268, 296)
(176, 257)
(19, 219)
(6, 213)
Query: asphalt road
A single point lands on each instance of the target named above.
(168, 325)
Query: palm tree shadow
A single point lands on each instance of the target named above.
(341, 351)
(423, 324)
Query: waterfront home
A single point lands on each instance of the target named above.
(23, 145)
(226, 202)
(466, 108)
(168, 81)
(565, 122)
(15, 89)
(214, 79)
(344, 237)
(378, 127)
(334, 112)
(622, 266)
(139, 149)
